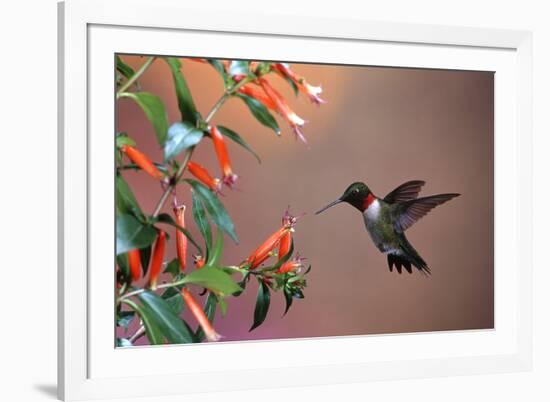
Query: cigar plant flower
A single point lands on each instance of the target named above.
(162, 300)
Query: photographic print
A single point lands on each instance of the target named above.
(263, 200)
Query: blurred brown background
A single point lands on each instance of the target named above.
(383, 126)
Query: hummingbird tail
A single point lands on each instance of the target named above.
(407, 258)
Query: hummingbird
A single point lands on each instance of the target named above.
(387, 219)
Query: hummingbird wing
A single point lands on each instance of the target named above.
(405, 192)
(409, 212)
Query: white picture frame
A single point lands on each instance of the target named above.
(89, 366)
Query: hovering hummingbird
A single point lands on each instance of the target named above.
(387, 219)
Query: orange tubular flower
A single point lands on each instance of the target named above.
(199, 261)
(134, 261)
(295, 121)
(312, 92)
(284, 245)
(286, 240)
(140, 159)
(156, 259)
(199, 315)
(265, 250)
(291, 265)
(259, 95)
(203, 176)
(181, 239)
(229, 178)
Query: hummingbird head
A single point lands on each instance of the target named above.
(356, 194)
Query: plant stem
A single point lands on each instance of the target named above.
(139, 333)
(218, 105)
(141, 290)
(189, 153)
(136, 75)
(178, 175)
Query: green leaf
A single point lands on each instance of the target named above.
(152, 329)
(219, 68)
(165, 218)
(214, 279)
(185, 100)
(171, 325)
(223, 306)
(126, 202)
(173, 267)
(262, 305)
(199, 215)
(215, 208)
(238, 139)
(181, 136)
(298, 294)
(210, 311)
(123, 139)
(145, 256)
(154, 109)
(239, 67)
(123, 343)
(173, 298)
(176, 303)
(122, 262)
(260, 112)
(215, 255)
(124, 68)
(124, 318)
(288, 300)
(132, 234)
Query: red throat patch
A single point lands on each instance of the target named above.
(367, 201)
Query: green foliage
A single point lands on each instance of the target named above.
(239, 67)
(124, 318)
(122, 262)
(181, 136)
(132, 234)
(221, 70)
(215, 208)
(123, 68)
(232, 135)
(173, 268)
(126, 202)
(174, 299)
(172, 326)
(160, 311)
(199, 215)
(215, 255)
(262, 305)
(123, 139)
(214, 279)
(260, 112)
(185, 100)
(210, 311)
(154, 109)
(152, 329)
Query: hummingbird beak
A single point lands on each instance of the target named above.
(333, 203)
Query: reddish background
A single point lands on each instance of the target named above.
(382, 126)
